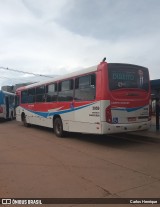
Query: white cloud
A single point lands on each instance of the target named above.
(55, 37)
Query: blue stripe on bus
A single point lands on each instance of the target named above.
(128, 109)
(46, 114)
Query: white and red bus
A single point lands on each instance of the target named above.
(104, 99)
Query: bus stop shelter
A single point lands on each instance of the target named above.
(155, 92)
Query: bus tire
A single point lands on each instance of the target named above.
(24, 121)
(58, 127)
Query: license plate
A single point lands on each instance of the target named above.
(131, 118)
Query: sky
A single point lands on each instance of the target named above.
(55, 37)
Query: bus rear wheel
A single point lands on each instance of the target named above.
(58, 127)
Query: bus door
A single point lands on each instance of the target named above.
(7, 106)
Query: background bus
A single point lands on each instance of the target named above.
(104, 99)
(7, 105)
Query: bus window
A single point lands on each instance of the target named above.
(126, 76)
(40, 94)
(65, 90)
(31, 95)
(51, 92)
(84, 81)
(85, 88)
(24, 96)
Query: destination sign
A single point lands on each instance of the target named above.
(123, 76)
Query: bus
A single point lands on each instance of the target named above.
(7, 105)
(103, 99)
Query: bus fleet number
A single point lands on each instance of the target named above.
(95, 108)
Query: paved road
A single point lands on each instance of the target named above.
(35, 163)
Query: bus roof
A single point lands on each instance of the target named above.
(61, 77)
(8, 93)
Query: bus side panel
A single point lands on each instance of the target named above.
(86, 118)
(34, 117)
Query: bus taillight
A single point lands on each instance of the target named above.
(108, 114)
(1, 109)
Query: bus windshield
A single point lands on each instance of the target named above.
(123, 76)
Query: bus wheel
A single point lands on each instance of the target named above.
(58, 127)
(24, 121)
